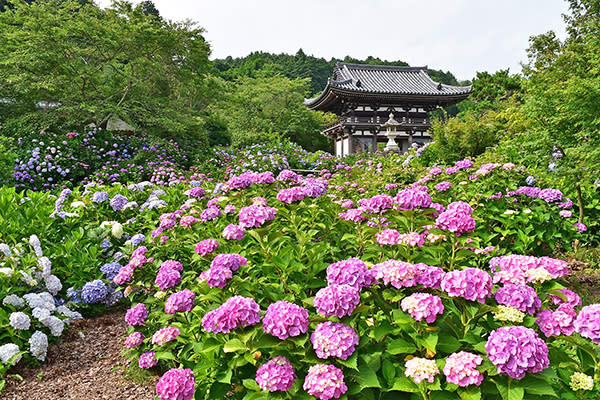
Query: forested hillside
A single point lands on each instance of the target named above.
(300, 65)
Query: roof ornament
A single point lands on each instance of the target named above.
(439, 86)
(358, 83)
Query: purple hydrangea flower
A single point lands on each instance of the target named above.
(325, 382)
(235, 313)
(276, 374)
(176, 384)
(337, 300)
(167, 278)
(517, 350)
(429, 276)
(334, 339)
(118, 202)
(352, 271)
(587, 323)
(471, 283)
(284, 319)
(559, 322)
(180, 302)
(136, 315)
(233, 232)
(147, 360)
(206, 246)
(94, 292)
(100, 197)
(522, 297)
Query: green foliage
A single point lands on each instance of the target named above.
(84, 64)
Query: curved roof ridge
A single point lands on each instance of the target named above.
(340, 64)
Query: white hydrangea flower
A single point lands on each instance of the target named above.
(52, 284)
(28, 279)
(77, 204)
(48, 298)
(70, 314)
(20, 321)
(13, 300)
(7, 352)
(38, 345)
(580, 381)
(34, 241)
(40, 313)
(5, 249)
(117, 230)
(538, 275)
(45, 265)
(71, 215)
(42, 300)
(130, 205)
(55, 324)
(7, 271)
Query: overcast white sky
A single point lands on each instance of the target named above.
(462, 36)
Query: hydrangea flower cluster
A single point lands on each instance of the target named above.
(470, 283)
(221, 269)
(210, 213)
(168, 274)
(456, 218)
(514, 268)
(571, 298)
(206, 246)
(291, 195)
(517, 350)
(235, 313)
(147, 360)
(412, 198)
(352, 271)
(94, 292)
(334, 339)
(284, 319)
(38, 345)
(136, 315)
(176, 384)
(255, 216)
(388, 237)
(581, 381)
(180, 302)
(429, 276)
(461, 369)
(337, 300)
(558, 322)
(508, 314)
(395, 272)
(423, 306)
(377, 204)
(233, 232)
(314, 187)
(421, 369)
(325, 382)
(587, 323)
(522, 297)
(276, 374)
(165, 335)
(133, 340)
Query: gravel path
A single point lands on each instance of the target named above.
(82, 367)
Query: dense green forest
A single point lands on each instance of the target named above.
(301, 65)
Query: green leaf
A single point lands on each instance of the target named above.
(429, 341)
(509, 391)
(404, 384)
(251, 384)
(448, 344)
(367, 376)
(233, 345)
(351, 362)
(401, 346)
(537, 386)
(469, 393)
(389, 371)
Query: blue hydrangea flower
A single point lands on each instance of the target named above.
(530, 180)
(74, 295)
(94, 292)
(100, 197)
(110, 270)
(118, 202)
(138, 239)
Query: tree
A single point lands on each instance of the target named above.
(90, 64)
(148, 8)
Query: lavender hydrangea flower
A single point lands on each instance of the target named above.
(180, 302)
(517, 350)
(352, 271)
(176, 384)
(276, 374)
(235, 313)
(522, 297)
(337, 300)
(100, 197)
(110, 270)
(325, 382)
(284, 319)
(331, 339)
(587, 323)
(118, 202)
(94, 292)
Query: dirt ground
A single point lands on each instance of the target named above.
(86, 365)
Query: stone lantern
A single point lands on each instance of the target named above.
(391, 126)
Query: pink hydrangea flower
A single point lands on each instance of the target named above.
(136, 315)
(147, 360)
(522, 297)
(255, 216)
(176, 384)
(188, 221)
(559, 322)
(334, 339)
(461, 369)
(471, 283)
(233, 232)
(325, 382)
(180, 302)
(276, 374)
(353, 272)
(165, 335)
(388, 237)
(429, 276)
(337, 300)
(206, 246)
(423, 306)
(457, 218)
(291, 195)
(133, 340)
(284, 319)
(587, 323)
(397, 273)
(237, 312)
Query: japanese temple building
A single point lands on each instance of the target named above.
(363, 96)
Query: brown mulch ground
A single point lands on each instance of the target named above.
(82, 367)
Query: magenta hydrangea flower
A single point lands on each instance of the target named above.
(397, 273)
(276, 374)
(216, 276)
(551, 195)
(471, 283)
(388, 237)
(287, 175)
(136, 315)
(124, 275)
(517, 350)
(210, 213)
(242, 181)
(314, 187)
(429, 276)
(176, 384)
(167, 278)
(522, 297)
(264, 178)
(180, 302)
(325, 382)
(284, 319)
(233, 232)
(461, 369)
(423, 306)
(229, 209)
(165, 335)
(464, 164)
(443, 186)
(291, 195)
(377, 204)
(557, 268)
(412, 198)
(196, 192)
(237, 312)
(559, 322)
(134, 340)
(206, 246)
(334, 339)
(171, 265)
(353, 272)
(337, 300)
(571, 298)
(188, 221)
(587, 323)
(255, 216)
(456, 218)
(147, 360)
(232, 261)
